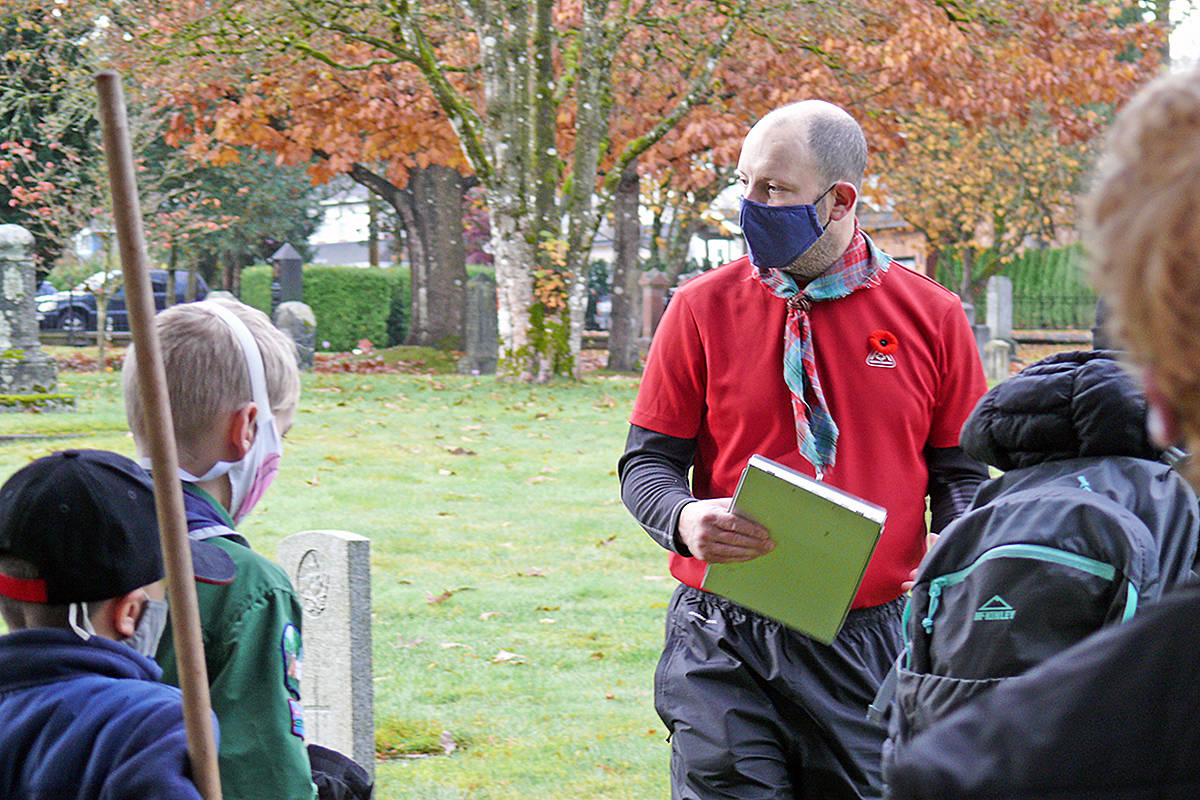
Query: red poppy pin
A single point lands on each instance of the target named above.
(883, 345)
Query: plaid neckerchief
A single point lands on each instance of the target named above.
(860, 267)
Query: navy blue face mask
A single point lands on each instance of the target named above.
(777, 235)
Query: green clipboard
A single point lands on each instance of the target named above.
(824, 538)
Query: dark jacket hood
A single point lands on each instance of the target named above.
(1069, 405)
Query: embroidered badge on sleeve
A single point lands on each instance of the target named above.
(297, 711)
(293, 659)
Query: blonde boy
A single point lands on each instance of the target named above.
(233, 386)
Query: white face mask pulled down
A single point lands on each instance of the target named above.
(250, 477)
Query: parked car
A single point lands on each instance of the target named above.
(75, 310)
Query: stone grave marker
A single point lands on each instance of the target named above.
(483, 329)
(25, 368)
(1000, 307)
(331, 571)
(983, 334)
(997, 356)
(297, 320)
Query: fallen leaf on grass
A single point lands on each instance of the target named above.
(448, 645)
(539, 479)
(547, 608)
(505, 657)
(532, 572)
(437, 599)
(547, 621)
(447, 742)
(609, 540)
(608, 696)
(313, 481)
(400, 641)
(489, 614)
(445, 472)
(459, 451)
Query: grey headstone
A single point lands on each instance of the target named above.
(298, 321)
(483, 329)
(220, 294)
(289, 268)
(997, 359)
(24, 367)
(1000, 307)
(331, 571)
(983, 335)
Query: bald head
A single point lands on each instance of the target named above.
(831, 139)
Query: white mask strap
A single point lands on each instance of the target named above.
(77, 612)
(254, 360)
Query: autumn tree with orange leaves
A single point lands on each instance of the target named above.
(548, 103)
(983, 190)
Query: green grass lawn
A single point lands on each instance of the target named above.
(518, 609)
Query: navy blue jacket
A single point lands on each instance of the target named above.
(87, 720)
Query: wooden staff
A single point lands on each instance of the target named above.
(160, 435)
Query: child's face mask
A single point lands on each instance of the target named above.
(150, 627)
(250, 477)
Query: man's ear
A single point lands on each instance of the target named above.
(845, 197)
(239, 432)
(122, 614)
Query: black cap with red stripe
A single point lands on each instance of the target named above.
(85, 520)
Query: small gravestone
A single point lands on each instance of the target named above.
(331, 571)
(24, 367)
(654, 301)
(997, 359)
(983, 334)
(221, 294)
(289, 271)
(1000, 307)
(297, 320)
(483, 330)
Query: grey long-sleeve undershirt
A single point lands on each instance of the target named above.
(654, 486)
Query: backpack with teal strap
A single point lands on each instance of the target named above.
(1044, 557)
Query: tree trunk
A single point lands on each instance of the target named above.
(626, 300)
(966, 282)
(169, 300)
(430, 211)
(435, 195)
(513, 257)
(372, 229)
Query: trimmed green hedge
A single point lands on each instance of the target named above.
(350, 303)
(256, 287)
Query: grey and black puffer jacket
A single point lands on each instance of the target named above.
(1086, 527)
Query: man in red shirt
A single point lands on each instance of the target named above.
(815, 351)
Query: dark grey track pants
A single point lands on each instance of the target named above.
(756, 710)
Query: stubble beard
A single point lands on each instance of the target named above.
(814, 261)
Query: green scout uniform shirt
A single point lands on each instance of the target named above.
(251, 631)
